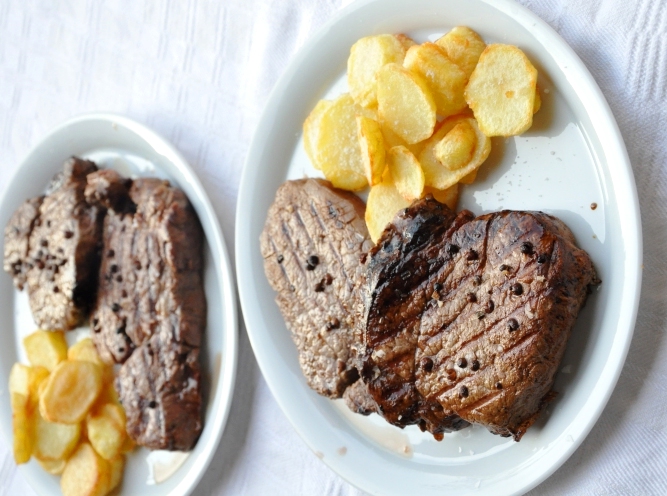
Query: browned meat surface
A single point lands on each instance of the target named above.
(151, 309)
(312, 242)
(487, 306)
(359, 400)
(52, 248)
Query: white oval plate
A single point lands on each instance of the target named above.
(573, 156)
(120, 143)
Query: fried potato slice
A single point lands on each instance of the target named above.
(22, 428)
(46, 348)
(116, 465)
(538, 100)
(86, 473)
(70, 391)
(372, 146)
(25, 380)
(54, 441)
(384, 202)
(440, 177)
(463, 46)
(405, 104)
(406, 173)
(405, 40)
(449, 196)
(501, 91)
(455, 150)
(106, 430)
(391, 139)
(54, 467)
(85, 350)
(311, 130)
(338, 149)
(469, 178)
(445, 80)
(367, 56)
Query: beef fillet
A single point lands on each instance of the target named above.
(467, 318)
(312, 242)
(52, 248)
(151, 308)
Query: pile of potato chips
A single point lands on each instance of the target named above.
(66, 414)
(418, 118)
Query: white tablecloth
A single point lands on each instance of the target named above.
(199, 72)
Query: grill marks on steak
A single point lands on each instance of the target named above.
(151, 308)
(52, 248)
(312, 242)
(490, 310)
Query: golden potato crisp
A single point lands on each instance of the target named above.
(463, 47)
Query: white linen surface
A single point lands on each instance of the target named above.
(199, 72)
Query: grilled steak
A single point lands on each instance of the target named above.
(151, 309)
(312, 242)
(52, 248)
(467, 318)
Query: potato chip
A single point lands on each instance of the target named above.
(54, 441)
(22, 428)
(384, 202)
(463, 47)
(116, 465)
(538, 100)
(405, 104)
(438, 176)
(367, 56)
(311, 130)
(449, 196)
(86, 473)
(371, 142)
(105, 433)
(405, 40)
(456, 148)
(46, 348)
(501, 91)
(337, 146)
(54, 467)
(445, 80)
(405, 172)
(85, 350)
(70, 391)
(469, 178)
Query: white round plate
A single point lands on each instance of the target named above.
(117, 142)
(573, 156)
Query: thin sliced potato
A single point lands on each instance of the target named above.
(22, 427)
(54, 441)
(449, 196)
(391, 139)
(54, 467)
(70, 391)
(372, 146)
(384, 202)
(116, 469)
(455, 150)
(46, 348)
(438, 176)
(405, 40)
(445, 80)
(405, 104)
(367, 56)
(463, 47)
(406, 173)
(86, 473)
(538, 100)
(128, 445)
(105, 433)
(337, 146)
(85, 350)
(501, 91)
(311, 130)
(470, 178)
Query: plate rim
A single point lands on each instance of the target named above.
(602, 118)
(222, 265)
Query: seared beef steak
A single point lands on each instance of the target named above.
(312, 242)
(151, 308)
(469, 322)
(52, 247)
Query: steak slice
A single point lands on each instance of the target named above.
(312, 242)
(151, 308)
(52, 247)
(494, 301)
